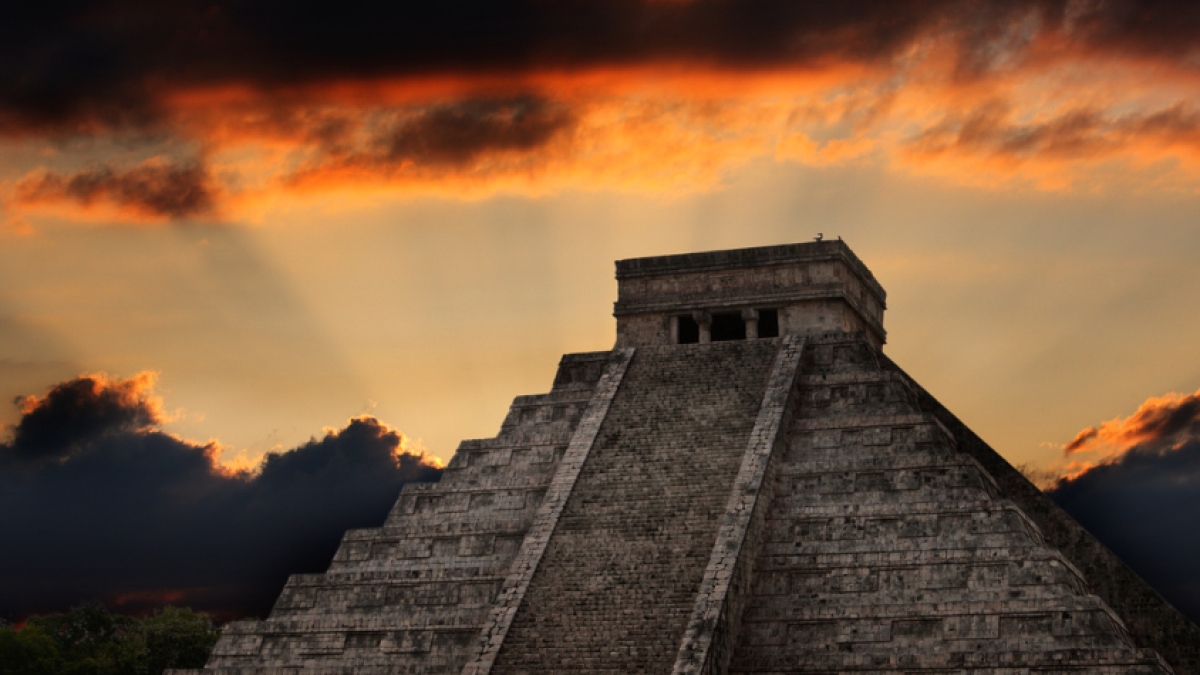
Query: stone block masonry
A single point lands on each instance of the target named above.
(716, 616)
(744, 504)
(414, 595)
(618, 582)
(889, 550)
(526, 564)
(1150, 619)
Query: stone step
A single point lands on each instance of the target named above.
(887, 524)
(913, 544)
(888, 458)
(472, 612)
(1030, 552)
(434, 574)
(520, 470)
(842, 509)
(980, 633)
(486, 563)
(417, 650)
(964, 472)
(1020, 660)
(850, 582)
(501, 443)
(341, 623)
(1055, 611)
(383, 596)
(793, 501)
(511, 523)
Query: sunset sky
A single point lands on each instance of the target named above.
(261, 219)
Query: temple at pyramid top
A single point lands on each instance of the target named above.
(765, 292)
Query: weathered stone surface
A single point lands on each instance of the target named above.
(720, 600)
(889, 549)
(533, 550)
(413, 595)
(1150, 620)
(744, 504)
(619, 578)
(813, 287)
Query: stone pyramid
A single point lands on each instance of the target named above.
(744, 484)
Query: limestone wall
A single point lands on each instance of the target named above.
(587, 537)
(890, 550)
(815, 287)
(1151, 620)
(412, 596)
(618, 581)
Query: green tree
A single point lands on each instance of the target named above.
(28, 652)
(88, 640)
(176, 637)
(91, 641)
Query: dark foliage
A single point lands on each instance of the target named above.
(88, 640)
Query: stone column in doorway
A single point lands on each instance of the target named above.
(750, 316)
(704, 319)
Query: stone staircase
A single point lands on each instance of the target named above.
(411, 596)
(619, 578)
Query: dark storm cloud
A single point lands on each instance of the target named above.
(1169, 29)
(152, 190)
(1145, 506)
(71, 67)
(1143, 501)
(439, 139)
(456, 134)
(105, 63)
(97, 502)
(85, 408)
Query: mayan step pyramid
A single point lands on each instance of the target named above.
(744, 484)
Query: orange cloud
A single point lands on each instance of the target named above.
(537, 146)
(1029, 96)
(133, 397)
(150, 191)
(1055, 149)
(537, 142)
(1160, 424)
(1158, 420)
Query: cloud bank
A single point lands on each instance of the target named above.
(149, 191)
(108, 64)
(239, 103)
(97, 502)
(1139, 492)
(1158, 423)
